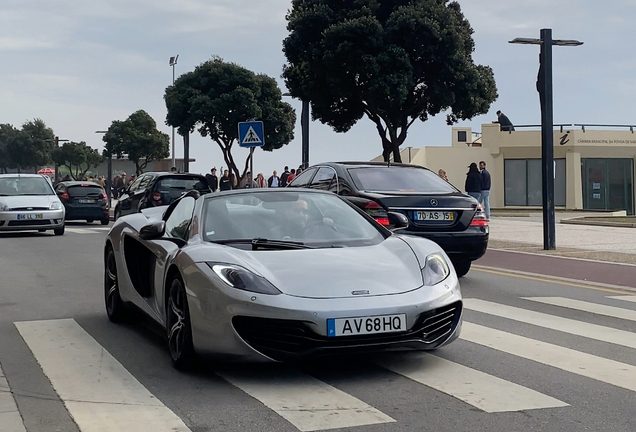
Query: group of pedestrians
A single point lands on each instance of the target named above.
(478, 185)
(227, 181)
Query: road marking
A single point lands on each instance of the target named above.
(479, 389)
(81, 231)
(562, 256)
(584, 306)
(99, 393)
(624, 298)
(555, 280)
(306, 402)
(587, 365)
(10, 417)
(565, 325)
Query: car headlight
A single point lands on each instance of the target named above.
(3, 207)
(243, 279)
(435, 269)
(55, 205)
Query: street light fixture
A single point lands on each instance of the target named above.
(173, 63)
(304, 124)
(544, 87)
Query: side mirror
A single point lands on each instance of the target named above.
(399, 221)
(153, 231)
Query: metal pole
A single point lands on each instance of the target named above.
(174, 163)
(186, 152)
(304, 122)
(57, 167)
(547, 139)
(250, 179)
(109, 180)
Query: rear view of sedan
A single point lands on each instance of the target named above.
(28, 202)
(83, 201)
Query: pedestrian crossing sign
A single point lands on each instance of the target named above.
(251, 134)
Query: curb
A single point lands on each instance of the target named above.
(598, 223)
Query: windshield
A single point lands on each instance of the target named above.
(172, 188)
(322, 220)
(18, 185)
(400, 179)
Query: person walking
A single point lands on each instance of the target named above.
(260, 181)
(274, 180)
(225, 183)
(284, 177)
(484, 198)
(442, 174)
(213, 180)
(292, 176)
(504, 122)
(473, 182)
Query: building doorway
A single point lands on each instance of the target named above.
(608, 184)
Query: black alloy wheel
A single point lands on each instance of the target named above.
(179, 329)
(461, 267)
(115, 308)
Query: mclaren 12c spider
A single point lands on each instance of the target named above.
(275, 275)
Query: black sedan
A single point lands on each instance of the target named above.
(83, 200)
(158, 189)
(435, 208)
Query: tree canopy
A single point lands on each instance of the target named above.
(27, 147)
(137, 138)
(217, 95)
(77, 157)
(394, 61)
(7, 134)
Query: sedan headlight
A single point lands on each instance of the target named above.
(56, 205)
(3, 207)
(243, 279)
(435, 270)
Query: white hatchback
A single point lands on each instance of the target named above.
(28, 202)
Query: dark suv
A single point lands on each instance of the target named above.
(158, 189)
(435, 209)
(83, 200)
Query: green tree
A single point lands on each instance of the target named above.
(32, 146)
(218, 95)
(7, 134)
(394, 61)
(137, 138)
(77, 157)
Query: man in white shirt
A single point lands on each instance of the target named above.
(273, 181)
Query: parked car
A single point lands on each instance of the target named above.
(84, 200)
(28, 202)
(157, 189)
(435, 208)
(278, 274)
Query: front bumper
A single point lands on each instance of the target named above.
(234, 325)
(16, 221)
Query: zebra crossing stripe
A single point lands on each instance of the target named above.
(98, 392)
(479, 389)
(624, 298)
(565, 325)
(304, 401)
(583, 364)
(595, 308)
(81, 231)
(10, 417)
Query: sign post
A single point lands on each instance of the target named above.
(251, 135)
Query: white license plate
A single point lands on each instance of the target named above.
(30, 216)
(86, 201)
(366, 325)
(434, 216)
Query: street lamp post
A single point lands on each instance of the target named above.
(109, 174)
(544, 87)
(173, 63)
(57, 141)
(304, 124)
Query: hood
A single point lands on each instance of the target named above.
(390, 267)
(21, 201)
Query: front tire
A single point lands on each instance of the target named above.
(179, 328)
(59, 231)
(89, 221)
(105, 221)
(462, 267)
(115, 308)
(117, 214)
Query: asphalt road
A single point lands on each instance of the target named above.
(535, 355)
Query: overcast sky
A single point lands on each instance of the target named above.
(79, 65)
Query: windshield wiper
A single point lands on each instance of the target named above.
(263, 243)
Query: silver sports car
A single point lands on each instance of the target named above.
(267, 274)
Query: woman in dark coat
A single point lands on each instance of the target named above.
(473, 182)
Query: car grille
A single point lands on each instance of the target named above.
(279, 338)
(31, 222)
(28, 208)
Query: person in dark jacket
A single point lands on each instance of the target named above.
(213, 180)
(225, 183)
(284, 177)
(473, 181)
(504, 122)
(484, 199)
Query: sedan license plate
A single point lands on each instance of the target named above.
(30, 216)
(434, 216)
(366, 325)
(86, 201)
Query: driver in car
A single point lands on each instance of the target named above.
(294, 222)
